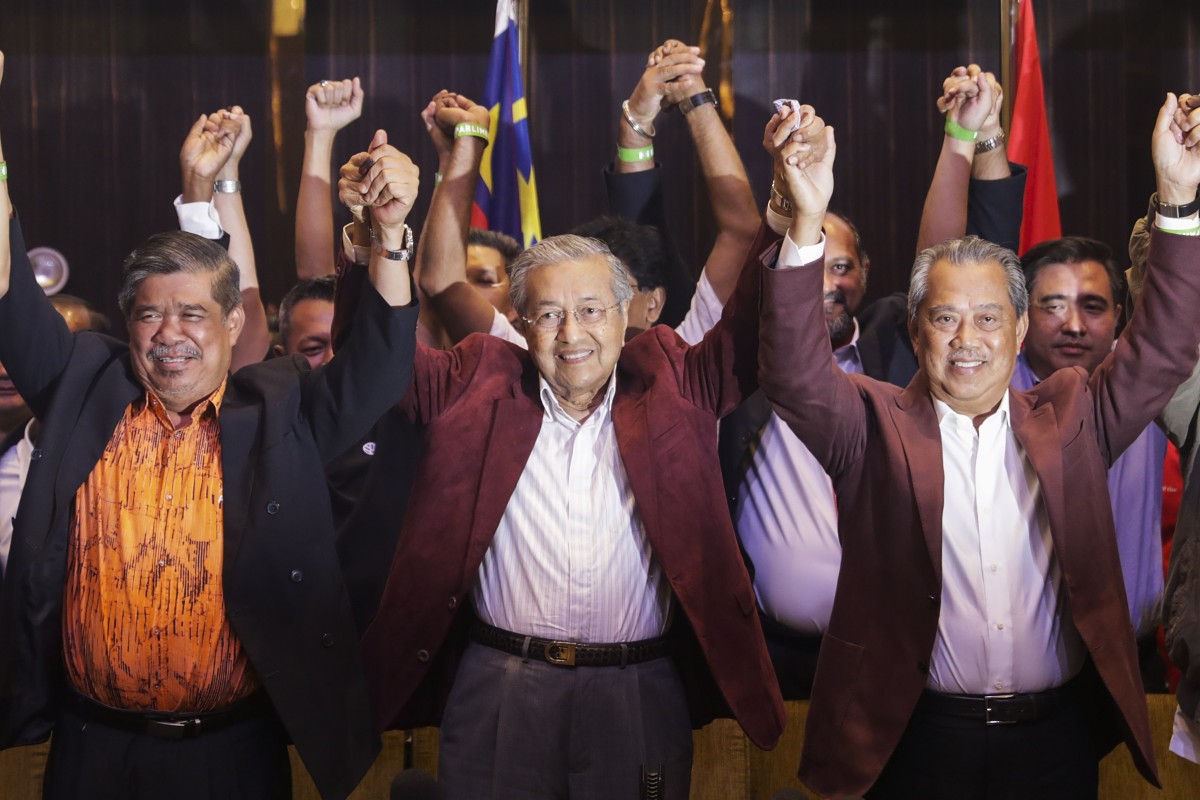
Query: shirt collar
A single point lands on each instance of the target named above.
(208, 407)
(945, 412)
(556, 412)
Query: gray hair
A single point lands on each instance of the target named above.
(968, 250)
(176, 251)
(558, 249)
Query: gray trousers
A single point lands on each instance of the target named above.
(518, 729)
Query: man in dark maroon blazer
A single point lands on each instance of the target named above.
(568, 573)
(980, 643)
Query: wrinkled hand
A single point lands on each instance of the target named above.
(1185, 123)
(207, 147)
(335, 105)
(672, 71)
(805, 135)
(969, 97)
(387, 182)
(1176, 151)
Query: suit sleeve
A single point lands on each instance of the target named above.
(721, 371)
(1157, 352)
(372, 371)
(995, 208)
(798, 374)
(638, 196)
(35, 343)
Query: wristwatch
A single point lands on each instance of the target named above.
(695, 101)
(1177, 212)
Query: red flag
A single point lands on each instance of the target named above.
(1029, 137)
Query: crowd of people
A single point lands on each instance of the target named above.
(528, 510)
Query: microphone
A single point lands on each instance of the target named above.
(415, 784)
(789, 794)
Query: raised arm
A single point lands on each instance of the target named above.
(971, 101)
(255, 338)
(1157, 351)
(329, 106)
(454, 123)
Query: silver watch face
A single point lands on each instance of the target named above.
(49, 269)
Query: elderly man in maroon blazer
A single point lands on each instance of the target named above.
(980, 644)
(567, 572)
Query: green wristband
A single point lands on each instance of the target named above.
(635, 155)
(471, 129)
(3, 170)
(956, 131)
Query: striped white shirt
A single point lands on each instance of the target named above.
(570, 559)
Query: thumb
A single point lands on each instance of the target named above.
(1166, 114)
(198, 126)
(379, 140)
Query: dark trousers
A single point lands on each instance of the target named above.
(246, 761)
(943, 757)
(519, 729)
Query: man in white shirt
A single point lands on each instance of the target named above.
(569, 521)
(979, 643)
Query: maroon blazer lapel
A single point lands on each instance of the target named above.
(634, 443)
(1036, 428)
(917, 426)
(515, 424)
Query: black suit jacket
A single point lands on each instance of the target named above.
(284, 592)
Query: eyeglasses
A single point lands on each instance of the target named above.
(586, 316)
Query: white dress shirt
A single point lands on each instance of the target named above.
(1004, 626)
(786, 518)
(570, 559)
(14, 466)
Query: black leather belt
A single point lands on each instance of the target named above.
(569, 654)
(174, 726)
(1002, 709)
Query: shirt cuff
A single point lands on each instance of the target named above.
(792, 255)
(1185, 738)
(355, 254)
(777, 222)
(1186, 226)
(199, 218)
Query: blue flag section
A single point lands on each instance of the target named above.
(506, 197)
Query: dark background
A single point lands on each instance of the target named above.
(97, 98)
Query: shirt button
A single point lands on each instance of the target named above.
(453, 604)
(36, 455)
(162, 562)
(999, 684)
(273, 507)
(297, 576)
(170, 497)
(422, 656)
(999, 626)
(154, 631)
(327, 640)
(994, 567)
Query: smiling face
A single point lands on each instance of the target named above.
(1072, 317)
(180, 342)
(576, 361)
(966, 334)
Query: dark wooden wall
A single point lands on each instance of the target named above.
(98, 95)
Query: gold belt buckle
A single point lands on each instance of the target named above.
(561, 654)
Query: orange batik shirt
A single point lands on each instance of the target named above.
(144, 624)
